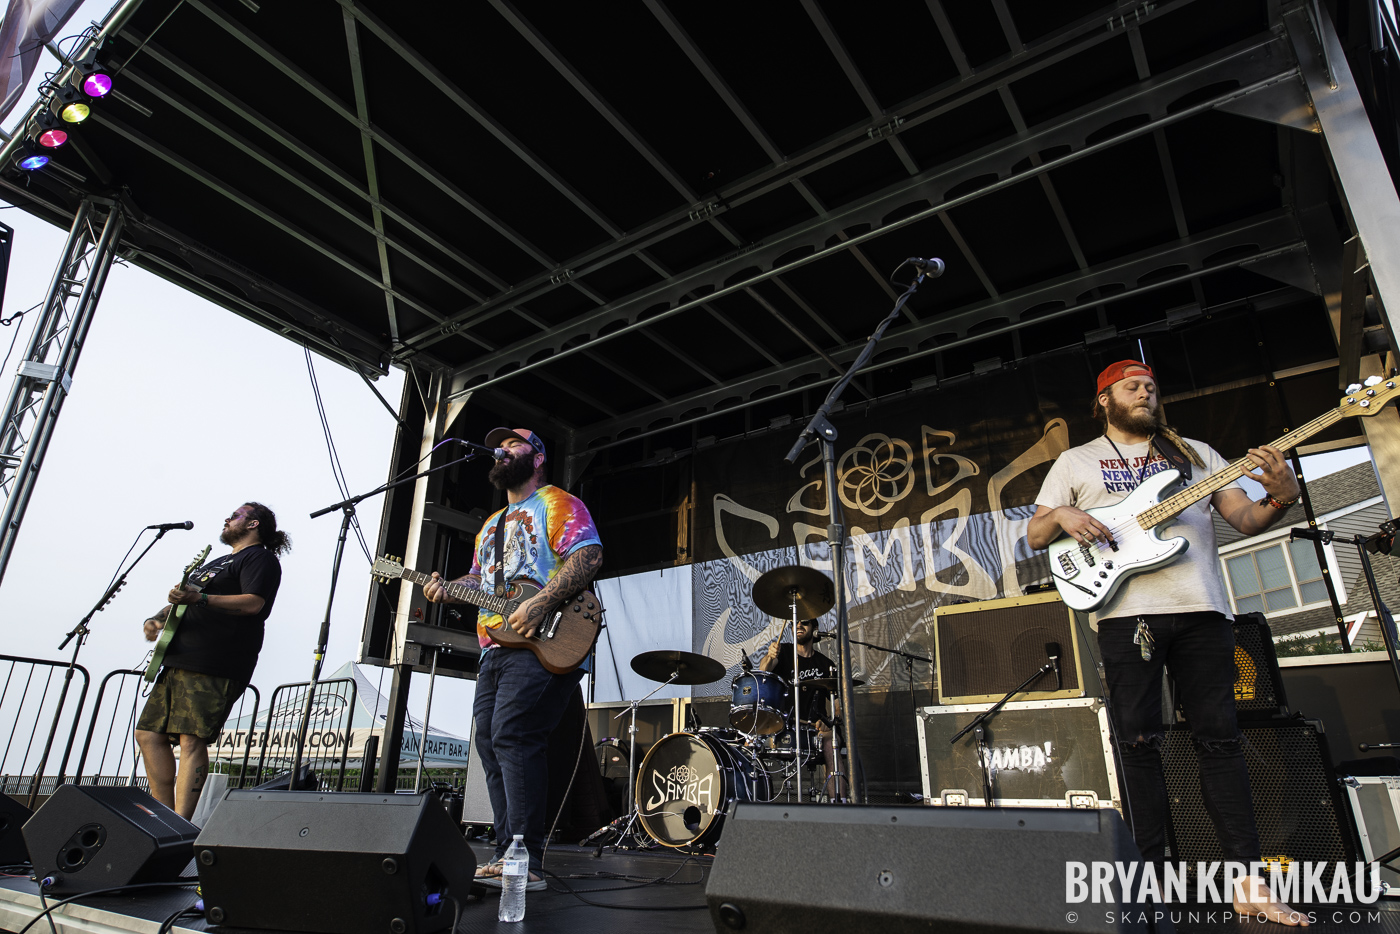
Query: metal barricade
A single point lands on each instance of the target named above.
(111, 734)
(33, 699)
(329, 733)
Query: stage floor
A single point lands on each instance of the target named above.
(557, 911)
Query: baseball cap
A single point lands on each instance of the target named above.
(497, 435)
(1112, 374)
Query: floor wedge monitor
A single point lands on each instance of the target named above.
(366, 863)
(892, 870)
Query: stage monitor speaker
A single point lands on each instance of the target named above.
(95, 837)
(890, 870)
(985, 649)
(12, 818)
(1259, 692)
(1298, 806)
(347, 863)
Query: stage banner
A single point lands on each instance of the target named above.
(936, 491)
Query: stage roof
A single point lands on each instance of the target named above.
(630, 219)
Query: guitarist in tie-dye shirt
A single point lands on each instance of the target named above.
(549, 539)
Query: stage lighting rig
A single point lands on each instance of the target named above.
(70, 103)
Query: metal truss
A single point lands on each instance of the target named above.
(1253, 65)
(1257, 241)
(45, 373)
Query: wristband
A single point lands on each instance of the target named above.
(203, 600)
(1269, 500)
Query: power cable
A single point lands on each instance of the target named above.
(336, 470)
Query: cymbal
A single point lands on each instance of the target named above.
(690, 667)
(775, 590)
(827, 684)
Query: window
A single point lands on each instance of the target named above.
(1279, 577)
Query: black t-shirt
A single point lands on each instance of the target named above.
(812, 701)
(223, 644)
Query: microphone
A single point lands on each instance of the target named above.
(171, 526)
(824, 635)
(1052, 649)
(498, 453)
(932, 267)
(745, 663)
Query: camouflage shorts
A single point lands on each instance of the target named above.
(189, 703)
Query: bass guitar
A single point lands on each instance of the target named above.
(1088, 573)
(561, 643)
(172, 619)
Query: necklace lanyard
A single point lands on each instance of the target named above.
(1137, 478)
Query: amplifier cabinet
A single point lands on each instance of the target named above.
(1375, 808)
(1050, 754)
(985, 649)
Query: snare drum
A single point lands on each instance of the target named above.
(780, 745)
(688, 783)
(759, 702)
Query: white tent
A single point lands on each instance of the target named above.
(331, 727)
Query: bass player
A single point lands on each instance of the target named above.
(1177, 616)
(545, 536)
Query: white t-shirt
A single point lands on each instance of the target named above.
(1092, 475)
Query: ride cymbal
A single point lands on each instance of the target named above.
(778, 589)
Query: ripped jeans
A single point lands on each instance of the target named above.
(1198, 649)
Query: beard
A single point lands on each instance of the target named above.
(807, 639)
(512, 472)
(1133, 417)
(226, 537)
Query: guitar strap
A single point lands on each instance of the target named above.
(500, 553)
(1173, 455)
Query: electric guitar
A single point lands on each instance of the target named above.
(172, 619)
(561, 643)
(1088, 574)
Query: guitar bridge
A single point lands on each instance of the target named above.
(1067, 565)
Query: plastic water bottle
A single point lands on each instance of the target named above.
(515, 872)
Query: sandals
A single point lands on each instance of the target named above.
(489, 874)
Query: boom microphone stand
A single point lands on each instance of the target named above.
(80, 632)
(820, 425)
(347, 508)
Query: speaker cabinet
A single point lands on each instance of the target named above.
(1259, 691)
(96, 837)
(889, 870)
(985, 649)
(1298, 806)
(342, 863)
(12, 818)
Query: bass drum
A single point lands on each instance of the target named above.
(688, 783)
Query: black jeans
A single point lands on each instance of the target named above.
(518, 704)
(1198, 649)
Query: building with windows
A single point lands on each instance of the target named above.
(1284, 580)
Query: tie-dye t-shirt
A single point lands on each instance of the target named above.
(541, 531)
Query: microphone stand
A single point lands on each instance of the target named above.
(820, 425)
(79, 632)
(347, 508)
(909, 659)
(983, 753)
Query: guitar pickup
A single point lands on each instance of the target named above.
(1088, 554)
(1067, 565)
(552, 626)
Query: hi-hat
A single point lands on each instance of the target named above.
(812, 590)
(688, 667)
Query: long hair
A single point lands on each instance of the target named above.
(279, 543)
(1161, 427)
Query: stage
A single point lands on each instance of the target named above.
(615, 881)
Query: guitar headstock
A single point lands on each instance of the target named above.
(387, 568)
(198, 560)
(1370, 397)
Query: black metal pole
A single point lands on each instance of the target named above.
(1382, 613)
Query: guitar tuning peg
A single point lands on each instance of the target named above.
(1353, 387)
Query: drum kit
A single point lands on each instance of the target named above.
(689, 781)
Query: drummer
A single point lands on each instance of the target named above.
(778, 660)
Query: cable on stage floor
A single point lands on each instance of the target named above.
(641, 884)
(119, 888)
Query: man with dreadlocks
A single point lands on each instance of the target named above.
(1177, 616)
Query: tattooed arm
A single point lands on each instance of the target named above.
(578, 570)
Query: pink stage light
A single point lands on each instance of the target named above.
(52, 139)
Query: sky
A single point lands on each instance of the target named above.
(182, 410)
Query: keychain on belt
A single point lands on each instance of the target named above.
(1142, 638)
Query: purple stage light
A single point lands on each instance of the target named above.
(97, 85)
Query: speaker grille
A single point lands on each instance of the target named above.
(988, 651)
(1296, 805)
(1258, 685)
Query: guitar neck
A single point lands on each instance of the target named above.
(472, 595)
(1169, 507)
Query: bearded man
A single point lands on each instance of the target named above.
(1177, 616)
(546, 537)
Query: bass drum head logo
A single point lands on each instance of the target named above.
(679, 789)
